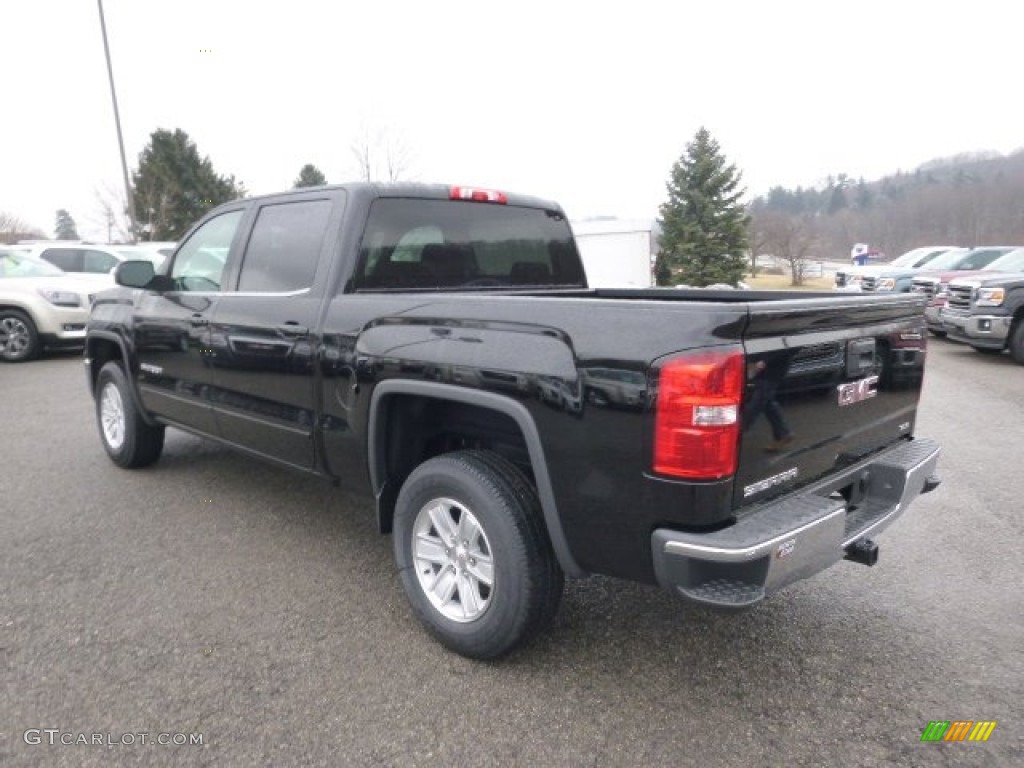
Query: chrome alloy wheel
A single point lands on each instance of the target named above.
(14, 337)
(112, 416)
(452, 558)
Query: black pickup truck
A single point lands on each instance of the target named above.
(438, 347)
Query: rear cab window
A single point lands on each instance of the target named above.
(421, 244)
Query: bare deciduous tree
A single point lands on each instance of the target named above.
(381, 156)
(14, 228)
(758, 243)
(788, 238)
(111, 214)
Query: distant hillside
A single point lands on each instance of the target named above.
(970, 199)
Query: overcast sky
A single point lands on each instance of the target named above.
(588, 103)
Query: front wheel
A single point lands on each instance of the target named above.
(19, 340)
(128, 439)
(474, 557)
(1016, 344)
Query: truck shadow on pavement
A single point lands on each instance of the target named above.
(294, 596)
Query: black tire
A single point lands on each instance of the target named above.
(1016, 343)
(938, 334)
(140, 444)
(527, 581)
(19, 339)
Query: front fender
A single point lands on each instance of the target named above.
(94, 361)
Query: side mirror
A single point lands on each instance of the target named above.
(134, 274)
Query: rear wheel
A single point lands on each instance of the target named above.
(1016, 344)
(474, 557)
(19, 340)
(128, 439)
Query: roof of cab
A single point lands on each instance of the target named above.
(402, 189)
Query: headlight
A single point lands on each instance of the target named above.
(60, 298)
(990, 297)
(885, 284)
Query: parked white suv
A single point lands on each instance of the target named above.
(91, 258)
(41, 306)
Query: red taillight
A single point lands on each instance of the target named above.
(478, 195)
(697, 421)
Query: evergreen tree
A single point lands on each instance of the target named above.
(837, 200)
(864, 195)
(704, 224)
(310, 176)
(174, 186)
(65, 228)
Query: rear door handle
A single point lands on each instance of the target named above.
(197, 321)
(292, 329)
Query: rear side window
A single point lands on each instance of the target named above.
(284, 248)
(68, 259)
(98, 261)
(441, 244)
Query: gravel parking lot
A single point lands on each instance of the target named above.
(216, 596)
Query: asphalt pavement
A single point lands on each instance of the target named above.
(216, 599)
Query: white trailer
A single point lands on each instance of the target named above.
(617, 253)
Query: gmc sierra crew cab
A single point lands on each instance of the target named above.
(935, 285)
(439, 348)
(987, 311)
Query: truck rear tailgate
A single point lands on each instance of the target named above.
(827, 384)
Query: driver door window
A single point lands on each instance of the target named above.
(199, 265)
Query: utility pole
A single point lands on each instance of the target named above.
(129, 195)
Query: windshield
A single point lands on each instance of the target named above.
(980, 258)
(917, 257)
(14, 264)
(948, 260)
(1010, 262)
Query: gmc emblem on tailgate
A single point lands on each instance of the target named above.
(856, 391)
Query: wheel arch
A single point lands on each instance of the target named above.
(104, 347)
(385, 490)
(1018, 311)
